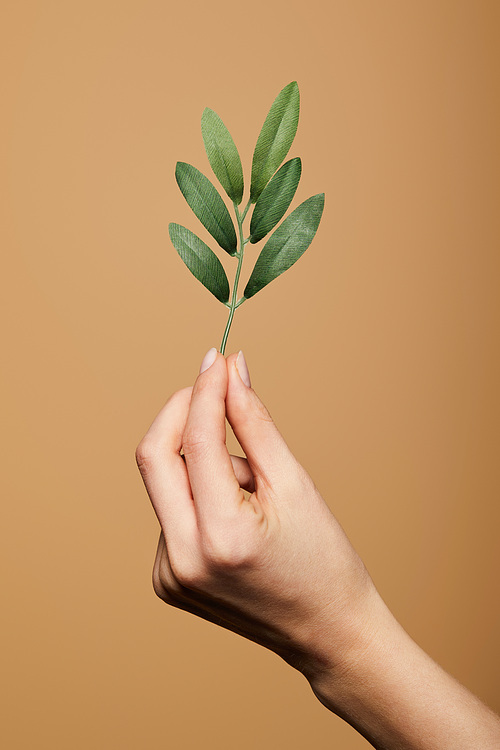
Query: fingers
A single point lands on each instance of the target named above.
(163, 470)
(269, 457)
(207, 484)
(214, 486)
(172, 592)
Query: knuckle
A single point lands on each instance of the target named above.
(172, 578)
(145, 455)
(261, 411)
(249, 404)
(204, 385)
(187, 572)
(229, 552)
(194, 443)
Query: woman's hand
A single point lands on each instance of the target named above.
(274, 566)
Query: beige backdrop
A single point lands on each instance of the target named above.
(377, 353)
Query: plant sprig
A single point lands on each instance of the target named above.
(272, 190)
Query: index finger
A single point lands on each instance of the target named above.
(163, 470)
(214, 486)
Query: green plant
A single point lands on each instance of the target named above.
(272, 193)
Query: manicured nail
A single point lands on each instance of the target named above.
(208, 359)
(241, 366)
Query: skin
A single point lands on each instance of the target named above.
(250, 544)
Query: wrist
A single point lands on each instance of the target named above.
(340, 675)
(396, 696)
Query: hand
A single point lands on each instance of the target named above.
(274, 566)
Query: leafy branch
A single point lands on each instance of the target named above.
(272, 193)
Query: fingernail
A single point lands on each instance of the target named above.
(241, 366)
(208, 359)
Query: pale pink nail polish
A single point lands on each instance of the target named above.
(241, 366)
(208, 359)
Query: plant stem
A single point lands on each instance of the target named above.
(245, 211)
(234, 298)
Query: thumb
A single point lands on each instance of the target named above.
(268, 455)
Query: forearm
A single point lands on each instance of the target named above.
(396, 696)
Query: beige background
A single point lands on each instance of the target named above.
(377, 354)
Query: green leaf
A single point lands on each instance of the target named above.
(275, 199)
(222, 155)
(275, 138)
(207, 204)
(201, 261)
(290, 240)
